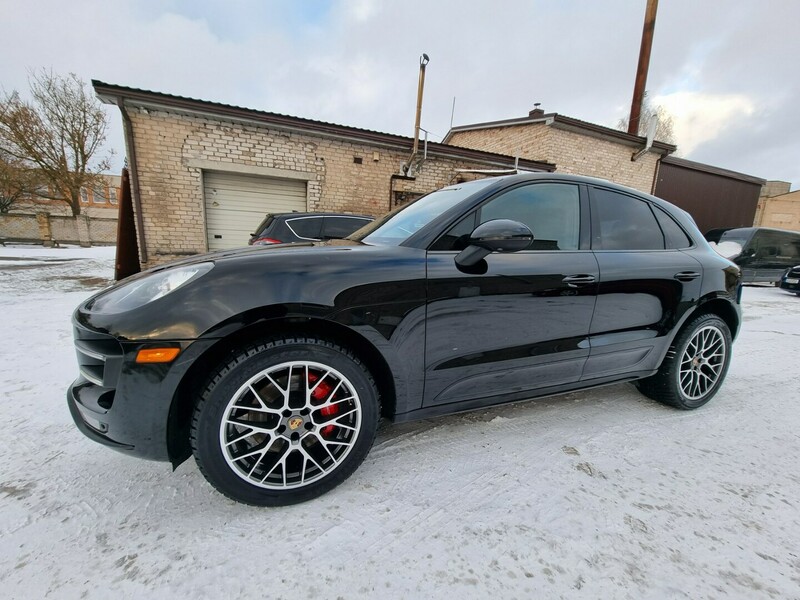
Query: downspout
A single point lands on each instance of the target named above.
(423, 61)
(134, 169)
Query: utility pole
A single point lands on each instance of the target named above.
(644, 65)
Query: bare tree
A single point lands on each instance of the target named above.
(665, 131)
(59, 133)
(16, 181)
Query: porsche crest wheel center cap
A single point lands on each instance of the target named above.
(295, 423)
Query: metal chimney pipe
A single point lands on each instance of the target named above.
(423, 61)
(643, 67)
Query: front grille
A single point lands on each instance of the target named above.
(795, 272)
(99, 357)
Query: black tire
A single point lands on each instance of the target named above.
(238, 391)
(666, 386)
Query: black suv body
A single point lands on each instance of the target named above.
(282, 228)
(273, 364)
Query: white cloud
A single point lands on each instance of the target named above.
(355, 62)
(362, 10)
(700, 117)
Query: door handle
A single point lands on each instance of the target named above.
(687, 275)
(574, 281)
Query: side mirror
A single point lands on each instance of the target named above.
(499, 235)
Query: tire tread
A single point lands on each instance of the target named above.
(238, 358)
(662, 386)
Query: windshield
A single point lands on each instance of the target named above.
(400, 224)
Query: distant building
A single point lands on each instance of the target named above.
(574, 146)
(778, 207)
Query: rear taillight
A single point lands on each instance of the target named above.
(265, 241)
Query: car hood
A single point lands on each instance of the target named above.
(249, 252)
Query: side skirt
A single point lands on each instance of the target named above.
(490, 401)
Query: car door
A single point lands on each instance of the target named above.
(646, 283)
(515, 322)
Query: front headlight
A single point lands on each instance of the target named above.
(151, 287)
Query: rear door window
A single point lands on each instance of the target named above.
(341, 227)
(622, 222)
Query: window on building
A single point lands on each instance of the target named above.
(112, 194)
(99, 195)
(84, 196)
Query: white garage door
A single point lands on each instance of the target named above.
(236, 204)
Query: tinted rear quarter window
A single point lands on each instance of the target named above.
(622, 222)
(306, 227)
(675, 237)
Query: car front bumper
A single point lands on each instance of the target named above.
(120, 403)
(790, 283)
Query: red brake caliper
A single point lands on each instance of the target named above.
(319, 395)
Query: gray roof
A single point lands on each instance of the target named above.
(114, 94)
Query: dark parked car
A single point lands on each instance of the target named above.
(714, 235)
(791, 280)
(272, 365)
(766, 253)
(305, 227)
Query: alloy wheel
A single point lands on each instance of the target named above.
(702, 362)
(290, 425)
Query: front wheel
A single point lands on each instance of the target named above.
(285, 421)
(695, 365)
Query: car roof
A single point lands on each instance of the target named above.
(595, 181)
(317, 214)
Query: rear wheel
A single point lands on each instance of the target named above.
(695, 365)
(285, 421)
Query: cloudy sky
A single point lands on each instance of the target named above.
(728, 71)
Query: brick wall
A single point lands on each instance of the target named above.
(781, 212)
(63, 229)
(19, 227)
(168, 144)
(572, 152)
(769, 189)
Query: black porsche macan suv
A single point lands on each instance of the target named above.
(272, 365)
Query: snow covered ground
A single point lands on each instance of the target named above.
(599, 494)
